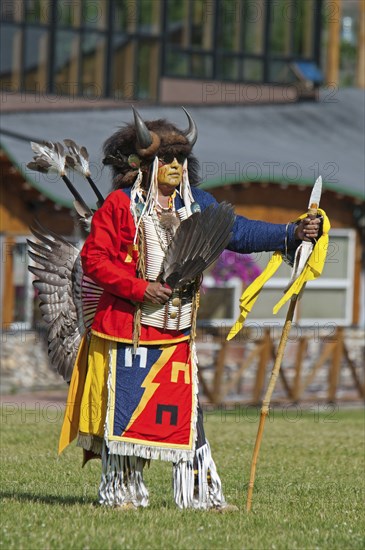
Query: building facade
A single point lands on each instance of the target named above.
(160, 51)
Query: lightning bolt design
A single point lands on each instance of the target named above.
(149, 384)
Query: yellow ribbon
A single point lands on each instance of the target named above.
(312, 270)
(70, 426)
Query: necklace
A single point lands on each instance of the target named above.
(165, 221)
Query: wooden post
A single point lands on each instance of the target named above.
(333, 46)
(302, 348)
(282, 375)
(335, 368)
(359, 386)
(326, 353)
(8, 285)
(361, 47)
(246, 362)
(218, 373)
(261, 367)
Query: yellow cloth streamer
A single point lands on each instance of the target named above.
(88, 393)
(312, 270)
(70, 426)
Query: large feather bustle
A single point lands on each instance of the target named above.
(197, 243)
(49, 157)
(55, 287)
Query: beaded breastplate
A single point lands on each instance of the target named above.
(176, 314)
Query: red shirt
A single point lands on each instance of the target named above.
(109, 258)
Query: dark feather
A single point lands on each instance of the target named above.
(54, 284)
(197, 243)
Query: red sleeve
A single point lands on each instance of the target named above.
(105, 249)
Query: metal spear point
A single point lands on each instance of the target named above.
(302, 255)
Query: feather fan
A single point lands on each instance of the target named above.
(197, 243)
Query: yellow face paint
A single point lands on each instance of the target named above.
(170, 174)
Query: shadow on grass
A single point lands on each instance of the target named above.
(47, 499)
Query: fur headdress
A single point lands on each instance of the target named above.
(135, 146)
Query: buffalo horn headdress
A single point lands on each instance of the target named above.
(135, 146)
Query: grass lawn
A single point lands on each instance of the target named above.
(308, 492)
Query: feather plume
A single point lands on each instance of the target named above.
(49, 157)
(77, 158)
(197, 243)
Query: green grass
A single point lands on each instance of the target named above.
(308, 492)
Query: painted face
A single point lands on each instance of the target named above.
(170, 174)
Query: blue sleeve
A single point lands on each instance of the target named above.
(251, 235)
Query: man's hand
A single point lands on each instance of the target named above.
(308, 229)
(156, 293)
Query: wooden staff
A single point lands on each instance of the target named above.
(312, 213)
(267, 398)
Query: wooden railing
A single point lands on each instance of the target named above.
(220, 381)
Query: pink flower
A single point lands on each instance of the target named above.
(230, 265)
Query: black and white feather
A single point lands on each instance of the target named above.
(197, 243)
(68, 299)
(77, 157)
(49, 157)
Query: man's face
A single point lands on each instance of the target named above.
(170, 174)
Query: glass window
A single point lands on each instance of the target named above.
(201, 66)
(94, 13)
(11, 11)
(332, 303)
(149, 16)
(123, 14)
(228, 68)
(10, 57)
(36, 59)
(177, 63)
(280, 72)
(24, 291)
(178, 22)
(93, 53)
(66, 76)
(328, 298)
(68, 14)
(229, 25)
(253, 18)
(303, 19)
(219, 303)
(253, 70)
(148, 62)
(281, 18)
(202, 24)
(123, 66)
(37, 11)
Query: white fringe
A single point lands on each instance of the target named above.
(186, 192)
(147, 452)
(122, 481)
(206, 493)
(90, 443)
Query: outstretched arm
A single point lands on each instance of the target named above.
(258, 236)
